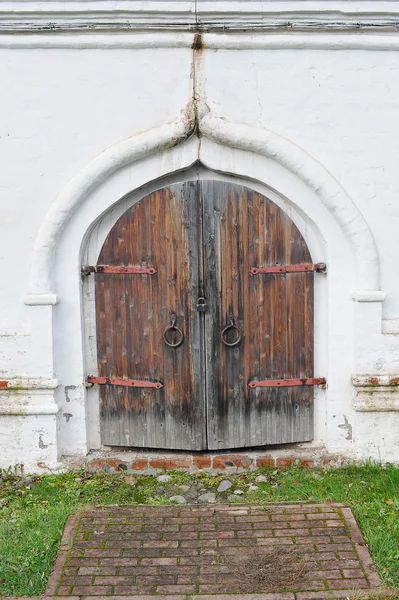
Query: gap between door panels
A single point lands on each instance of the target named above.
(203, 293)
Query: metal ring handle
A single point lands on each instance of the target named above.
(224, 331)
(173, 327)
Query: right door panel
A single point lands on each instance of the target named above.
(273, 312)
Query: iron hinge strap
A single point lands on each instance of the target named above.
(124, 382)
(304, 268)
(86, 270)
(288, 382)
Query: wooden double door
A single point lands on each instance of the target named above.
(194, 341)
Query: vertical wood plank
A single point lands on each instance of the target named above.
(243, 229)
(205, 399)
(132, 314)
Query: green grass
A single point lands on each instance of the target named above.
(33, 511)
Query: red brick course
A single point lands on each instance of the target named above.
(218, 462)
(196, 544)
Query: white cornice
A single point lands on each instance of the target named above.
(206, 15)
(376, 392)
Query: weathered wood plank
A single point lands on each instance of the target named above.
(242, 229)
(203, 239)
(133, 311)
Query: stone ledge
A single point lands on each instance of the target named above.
(376, 393)
(28, 383)
(23, 396)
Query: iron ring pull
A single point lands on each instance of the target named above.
(173, 327)
(231, 325)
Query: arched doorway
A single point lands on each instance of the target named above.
(204, 311)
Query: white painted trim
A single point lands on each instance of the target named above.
(369, 296)
(316, 177)
(376, 393)
(301, 41)
(373, 381)
(28, 396)
(16, 407)
(41, 299)
(390, 326)
(29, 383)
(235, 135)
(106, 40)
(387, 402)
(341, 29)
(53, 14)
(91, 176)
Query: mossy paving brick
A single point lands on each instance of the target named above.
(190, 550)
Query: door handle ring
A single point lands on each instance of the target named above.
(231, 325)
(173, 327)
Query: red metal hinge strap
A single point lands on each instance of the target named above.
(124, 382)
(287, 382)
(86, 270)
(305, 268)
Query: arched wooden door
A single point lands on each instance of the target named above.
(230, 274)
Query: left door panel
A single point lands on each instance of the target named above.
(132, 312)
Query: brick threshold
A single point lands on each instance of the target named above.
(222, 462)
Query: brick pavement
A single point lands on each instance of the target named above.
(184, 551)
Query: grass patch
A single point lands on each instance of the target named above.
(33, 510)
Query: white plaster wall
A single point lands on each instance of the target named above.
(67, 97)
(341, 107)
(59, 109)
(28, 440)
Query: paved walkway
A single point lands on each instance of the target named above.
(282, 552)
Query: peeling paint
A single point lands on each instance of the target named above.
(68, 416)
(42, 445)
(348, 428)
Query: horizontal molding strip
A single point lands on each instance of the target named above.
(27, 409)
(75, 40)
(25, 396)
(48, 39)
(376, 380)
(234, 25)
(28, 383)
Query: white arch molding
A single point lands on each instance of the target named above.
(122, 175)
(234, 135)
